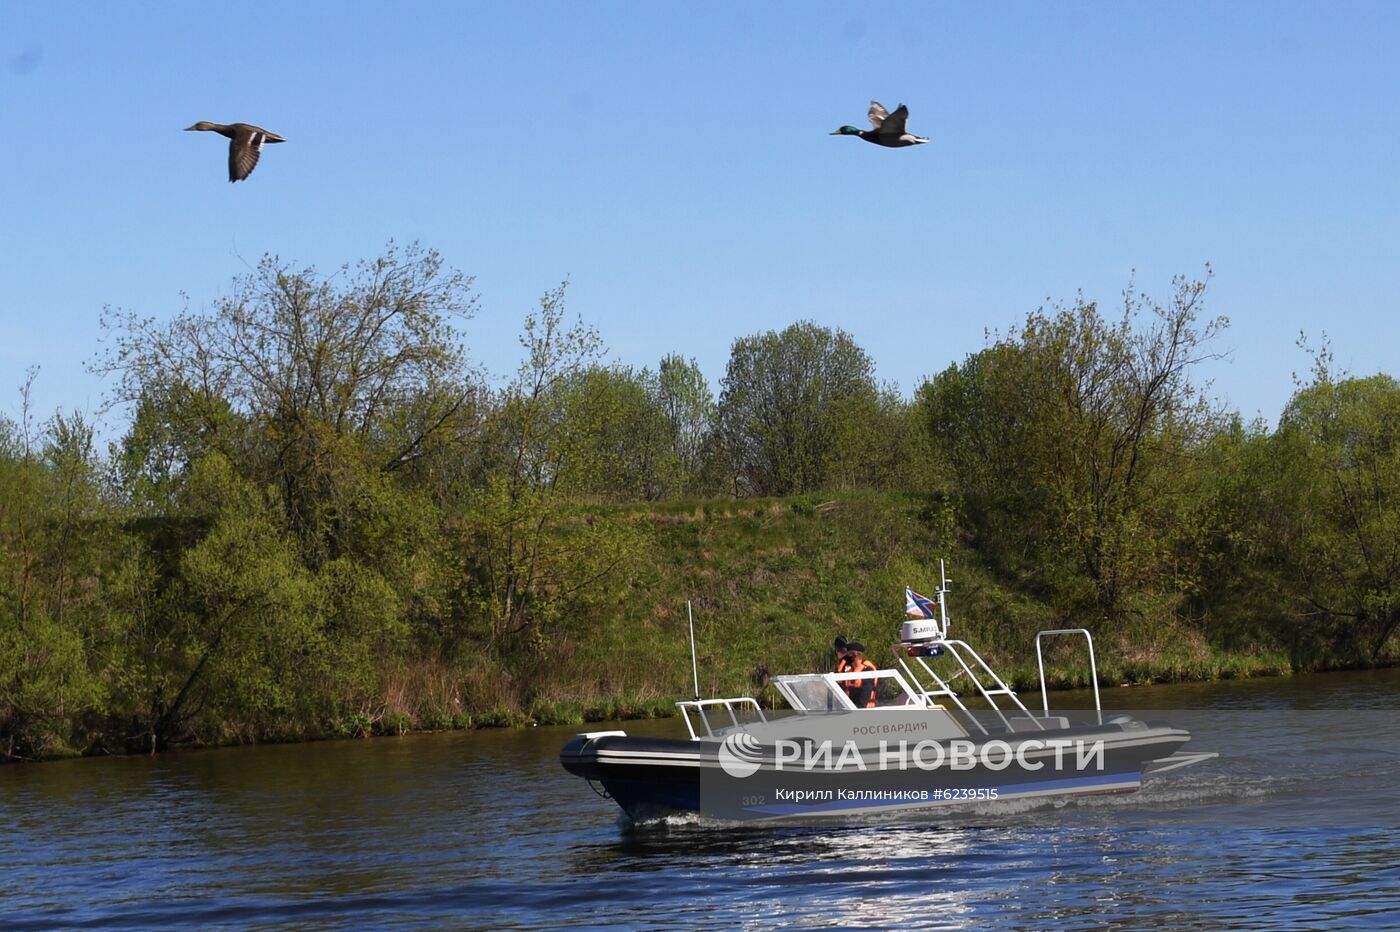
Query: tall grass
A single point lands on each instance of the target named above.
(773, 581)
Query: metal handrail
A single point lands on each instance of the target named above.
(944, 689)
(698, 706)
(1093, 667)
(954, 648)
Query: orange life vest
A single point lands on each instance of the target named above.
(861, 691)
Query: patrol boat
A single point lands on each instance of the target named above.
(912, 743)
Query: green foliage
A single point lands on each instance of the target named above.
(250, 610)
(303, 381)
(50, 582)
(45, 684)
(1073, 439)
(625, 445)
(685, 399)
(787, 399)
(559, 426)
(321, 522)
(1332, 510)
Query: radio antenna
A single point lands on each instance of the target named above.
(694, 665)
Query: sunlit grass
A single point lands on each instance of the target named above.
(772, 581)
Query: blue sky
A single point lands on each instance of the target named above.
(672, 161)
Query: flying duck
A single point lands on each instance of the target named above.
(244, 146)
(889, 128)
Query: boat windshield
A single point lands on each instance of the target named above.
(825, 692)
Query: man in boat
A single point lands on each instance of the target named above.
(861, 691)
(843, 663)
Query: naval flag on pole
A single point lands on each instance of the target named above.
(917, 606)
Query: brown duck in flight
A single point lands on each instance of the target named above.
(245, 142)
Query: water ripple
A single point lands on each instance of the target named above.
(452, 831)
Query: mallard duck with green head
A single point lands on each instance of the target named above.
(245, 142)
(888, 128)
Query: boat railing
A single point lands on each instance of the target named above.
(699, 707)
(918, 645)
(1093, 667)
(936, 686)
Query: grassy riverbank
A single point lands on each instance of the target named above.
(773, 581)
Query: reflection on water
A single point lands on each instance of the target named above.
(485, 828)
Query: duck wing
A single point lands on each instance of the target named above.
(878, 114)
(243, 151)
(893, 123)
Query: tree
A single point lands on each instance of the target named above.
(52, 555)
(305, 382)
(1071, 435)
(624, 445)
(1330, 508)
(780, 408)
(878, 442)
(290, 457)
(531, 548)
(685, 398)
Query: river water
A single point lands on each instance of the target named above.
(1295, 826)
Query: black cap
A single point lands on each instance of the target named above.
(855, 645)
(840, 642)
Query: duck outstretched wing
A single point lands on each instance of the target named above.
(878, 114)
(243, 152)
(894, 122)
